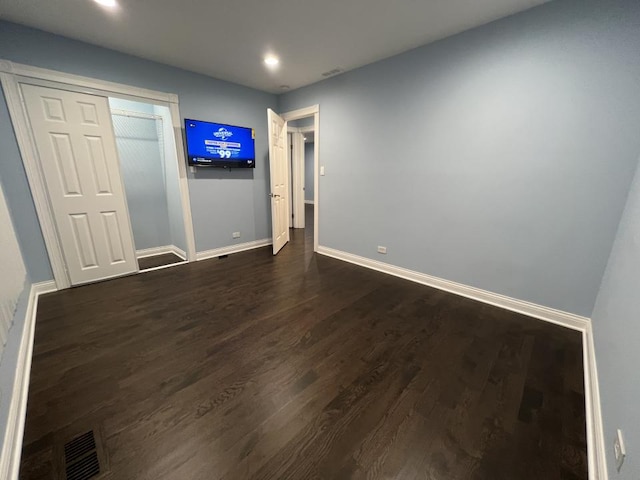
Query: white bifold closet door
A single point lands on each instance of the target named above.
(77, 152)
(12, 272)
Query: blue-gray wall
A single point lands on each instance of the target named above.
(222, 202)
(143, 174)
(616, 317)
(308, 171)
(150, 174)
(499, 158)
(143, 168)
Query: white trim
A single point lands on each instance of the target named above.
(596, 444)
(153, 251)
(34, 176)
(179, 252)
(296, 115)
(11, 75)
(301, 113)
(162, 267)
(14, 434)
(289, 175)
(309, 202)
(240, 247)
(569, 320)
(13, 68)
(316, 181)
(184, 183)
(296, 166)
(297, 175)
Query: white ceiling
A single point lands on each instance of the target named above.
(227, 39)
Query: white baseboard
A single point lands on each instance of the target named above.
(153, 251)
(309, 202)
(179, 252)
(12, 446)
(240, 247)
(569, 320)
(595, 437)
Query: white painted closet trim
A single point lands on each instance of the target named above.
(11, 75)
(153, 251)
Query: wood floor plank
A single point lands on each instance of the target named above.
(301, 366)
(158, 261)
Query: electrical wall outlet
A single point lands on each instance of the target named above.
(236, 234)
(382, 249)
(619, 449)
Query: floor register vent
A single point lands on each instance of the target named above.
(81, 457)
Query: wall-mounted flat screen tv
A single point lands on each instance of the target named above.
(219, 145)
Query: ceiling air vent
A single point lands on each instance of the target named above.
(333, 72)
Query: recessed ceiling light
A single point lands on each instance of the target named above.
(107, 3)
(270, 60)
(285, 87)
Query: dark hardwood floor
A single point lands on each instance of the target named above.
(158, 261)
(301, 367)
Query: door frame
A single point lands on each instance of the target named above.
(311, 111)
(11, 76)
(296, 172)
(290, 132)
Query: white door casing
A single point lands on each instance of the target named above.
(290, 169)
(79, 161)
(312, 111)
(297, 174)
(279, 173)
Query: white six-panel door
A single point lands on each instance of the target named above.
(77, 151)
(278, 160)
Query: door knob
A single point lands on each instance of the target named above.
(272, 195)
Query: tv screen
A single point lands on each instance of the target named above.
(219, 145)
